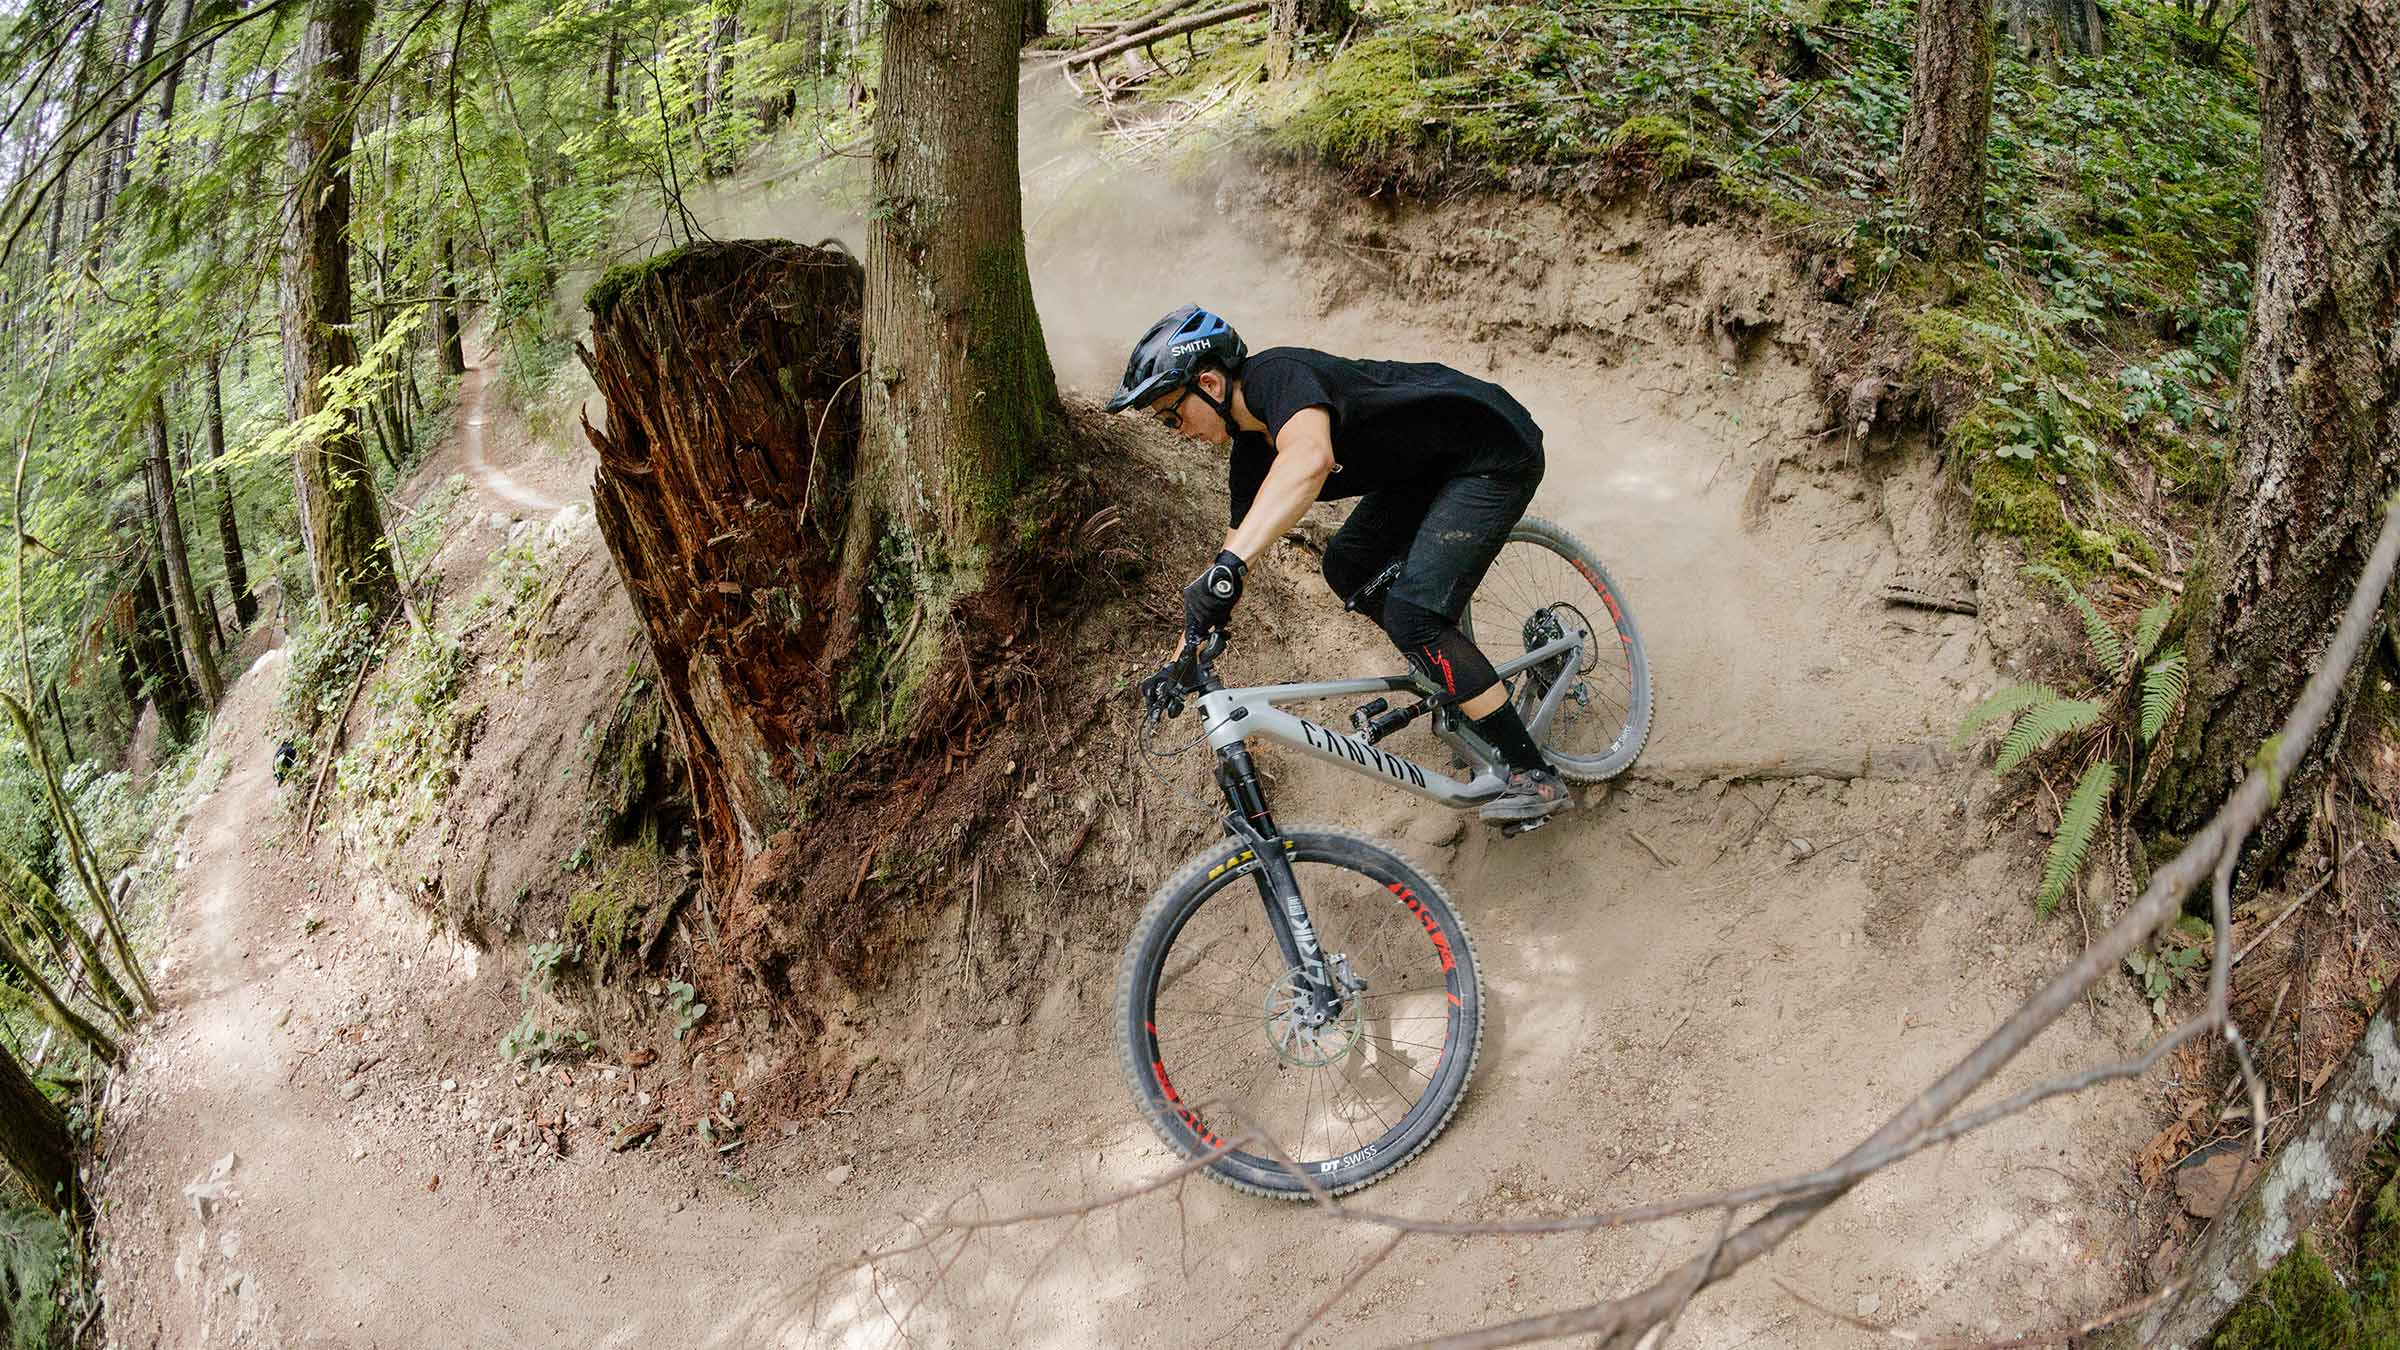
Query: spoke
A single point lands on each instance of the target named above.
(1183, 1064)
(1435, 1047)
(1397, 1095)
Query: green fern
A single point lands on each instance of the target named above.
(33, 1269)
(2015, 699)
(2107, 648)
(2078, 826)
(2041, 727)
(2149, 627)
(2162, 691)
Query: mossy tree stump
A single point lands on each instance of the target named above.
(730, 371)
(34, 1141)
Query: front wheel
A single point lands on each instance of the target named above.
(1544, 585)
(1223, 1052)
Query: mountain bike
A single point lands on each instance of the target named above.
(1316, 1041)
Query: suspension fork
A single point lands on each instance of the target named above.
(1278, 889)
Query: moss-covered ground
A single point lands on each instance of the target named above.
(2304, 1304)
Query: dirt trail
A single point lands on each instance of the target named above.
(498, 483)
(1674, 1005)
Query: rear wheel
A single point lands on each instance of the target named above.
(1545, 585)
(1221, 1050)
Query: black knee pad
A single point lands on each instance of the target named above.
(1437, 648)
(1360, 579)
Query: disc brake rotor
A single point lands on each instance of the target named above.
(1298, 1036)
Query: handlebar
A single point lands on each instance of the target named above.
(1188, 673)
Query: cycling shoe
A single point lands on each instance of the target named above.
(1532, 795)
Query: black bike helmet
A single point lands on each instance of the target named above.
(1172, 351)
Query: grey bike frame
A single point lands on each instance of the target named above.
(1232, 716)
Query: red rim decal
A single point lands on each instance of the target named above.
(1441, 943)
(1184, 1113)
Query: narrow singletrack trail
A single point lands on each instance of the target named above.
(473, 416)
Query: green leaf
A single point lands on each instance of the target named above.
(2016, 698)
(2107, 648)
(2162, 692)
(2148, 628)
(2078, 824)
(2041, 727)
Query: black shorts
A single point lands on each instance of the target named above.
(1444, 534)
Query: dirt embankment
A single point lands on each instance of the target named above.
(1730, 967)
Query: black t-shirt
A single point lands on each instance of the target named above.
(1394, 422)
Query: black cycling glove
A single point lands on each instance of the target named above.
(1208, 601)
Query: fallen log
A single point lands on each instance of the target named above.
(1915, 597)
(1149, 20)
(1229, 13)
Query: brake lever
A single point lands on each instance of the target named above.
(1160, 695)
(1163, 693)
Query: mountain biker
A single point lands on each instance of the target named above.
(1444, 463)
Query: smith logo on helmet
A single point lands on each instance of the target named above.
(1181, 347)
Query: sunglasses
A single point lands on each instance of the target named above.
(1171, 416)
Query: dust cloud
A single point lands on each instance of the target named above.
(1112, 242)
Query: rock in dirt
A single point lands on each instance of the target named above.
(634, 1136)
(1797, 850)
(351, 1090)
(1437, 829)
(2201, 1184)
(212, 1190)
(2163, 1262)
(839, 1176)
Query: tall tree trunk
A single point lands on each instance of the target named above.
(58, 713)
(34, 1139)
(729, 371)
(715, 156)
(2053, 28)
(188, 491)
(454, 349)
(179, 563)
(120, 164)
(854, 35)
(338, 520)
(1290, 20)
(172, 681)
(1036, 21)
(2327, 1156)
(2318, 432)
(87, 68)
(608, 85)
(960, 397)
(1942, 148)
(229, 532)
(174, 79)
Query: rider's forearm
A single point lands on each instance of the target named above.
(1290, 489)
